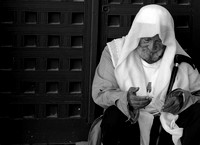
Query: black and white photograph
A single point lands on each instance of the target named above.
(99, 72)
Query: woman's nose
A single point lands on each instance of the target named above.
(151, 45)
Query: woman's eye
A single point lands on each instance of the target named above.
(146, 40)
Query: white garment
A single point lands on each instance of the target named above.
(151, 72)
(150, 20)
(168, 123)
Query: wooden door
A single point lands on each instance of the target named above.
(44, 71)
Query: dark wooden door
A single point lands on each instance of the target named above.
(44, 71)
(117, 16)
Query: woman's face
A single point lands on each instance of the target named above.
(151, 49)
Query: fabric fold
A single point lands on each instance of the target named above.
(168, 122)
(145, 122)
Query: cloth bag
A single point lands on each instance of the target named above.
(94, 136)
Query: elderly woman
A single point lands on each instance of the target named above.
(131, 83)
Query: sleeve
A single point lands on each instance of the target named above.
(194, 80)
(105, 90)
(194, 88)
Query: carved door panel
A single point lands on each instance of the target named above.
(44, 70)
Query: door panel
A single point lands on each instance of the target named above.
(44, 70)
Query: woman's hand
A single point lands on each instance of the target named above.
(175, 100)
(137, 102)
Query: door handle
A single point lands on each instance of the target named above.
(106, 8)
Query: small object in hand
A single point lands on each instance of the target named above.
(149, 87)
(149, 98)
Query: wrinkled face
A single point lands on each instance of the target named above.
(151, 49)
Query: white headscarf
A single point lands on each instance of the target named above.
(149, 21)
